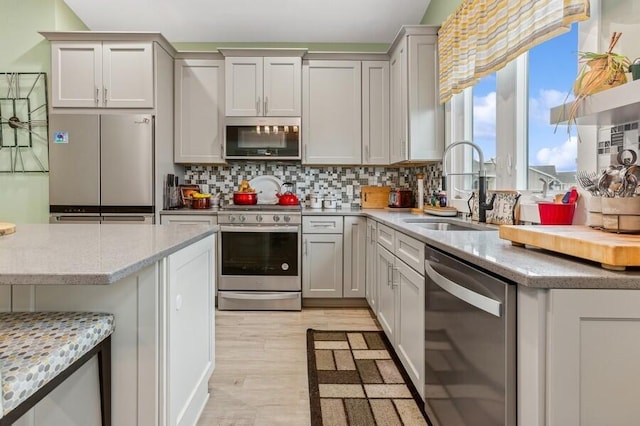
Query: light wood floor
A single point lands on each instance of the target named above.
(261, 364)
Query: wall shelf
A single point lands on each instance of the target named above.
(617, 105)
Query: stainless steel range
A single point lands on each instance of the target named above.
(259, 260)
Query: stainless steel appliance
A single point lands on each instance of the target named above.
(259, 259)
(262, 138)
(101, 168)
(470, 344)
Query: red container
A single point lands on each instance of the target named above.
(556, 213)
(245, 198)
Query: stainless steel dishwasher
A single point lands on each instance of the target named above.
(470, 344)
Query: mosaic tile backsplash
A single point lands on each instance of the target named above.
(344, 182)
(613, 139)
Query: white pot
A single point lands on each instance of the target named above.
(330, 202)
(315, 201)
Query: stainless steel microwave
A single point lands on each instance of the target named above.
(262, 138)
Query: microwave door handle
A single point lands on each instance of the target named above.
(479, 301)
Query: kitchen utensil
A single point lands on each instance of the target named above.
(267, 187)
(288, 198)
(201, 201)
(330, 201)
(375, 197)
(315, 200)
(588, 181)
(245, 198)
(611, 250)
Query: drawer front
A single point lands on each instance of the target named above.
(385, 236)
(322, 224)
(410, 251)
(189, 219)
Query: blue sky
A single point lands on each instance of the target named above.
(552, 71)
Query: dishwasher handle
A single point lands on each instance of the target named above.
(487, 304)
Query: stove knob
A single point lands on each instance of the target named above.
(259, 218)
(276, 218)
(232, 218)
(243, 218)
(287, 218)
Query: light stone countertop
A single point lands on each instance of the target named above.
(528, 266)
(38, 254)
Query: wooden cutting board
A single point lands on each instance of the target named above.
(7, 228)
(375, 197)
(611, 250)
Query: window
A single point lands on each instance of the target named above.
(484, 124)
(552, 153)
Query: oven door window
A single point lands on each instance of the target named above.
(259, 253)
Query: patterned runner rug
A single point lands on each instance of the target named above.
(355, 378)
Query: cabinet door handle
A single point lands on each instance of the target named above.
(221, 151)
(305, 152)
(104, 101)
(258, 105)
(367, 155)
(97, 95)
(266, 104)
(394, 284)
(389, 266)
(306, 251)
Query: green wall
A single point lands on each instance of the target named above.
(24, 197)
(438, 11)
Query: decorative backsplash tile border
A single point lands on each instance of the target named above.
(343, 181)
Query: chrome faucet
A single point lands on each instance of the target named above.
(483, 206)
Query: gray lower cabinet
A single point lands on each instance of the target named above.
(371, 286)
(322, 254)
(401, 298)
(386, 293)
(355, 228)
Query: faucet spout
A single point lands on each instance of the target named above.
(483, 206)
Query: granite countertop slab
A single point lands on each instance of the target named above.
(91, 254)
(531, 267)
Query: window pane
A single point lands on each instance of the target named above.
(552, 154)
(484, 124)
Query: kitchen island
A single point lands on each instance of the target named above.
(159, 283)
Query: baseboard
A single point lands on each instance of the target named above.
(334, 303)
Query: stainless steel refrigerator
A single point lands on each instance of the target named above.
(101, 168)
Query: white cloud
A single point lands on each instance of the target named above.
(562, 156)
(484, 116)
(539, 106)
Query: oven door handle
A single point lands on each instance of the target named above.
(258, 228)
(485, 303)
(258, 296)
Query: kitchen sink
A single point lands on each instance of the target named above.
(440, 225)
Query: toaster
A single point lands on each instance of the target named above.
(401, 198)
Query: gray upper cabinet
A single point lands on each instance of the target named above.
(101, 74)
(199, 113)
(263, 86)
(417, 119)
(375, 112)
(331, 112)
